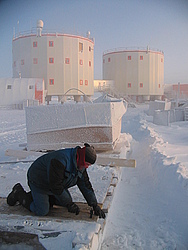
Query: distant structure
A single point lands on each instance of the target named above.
(21, 92)
(64, 61)
(103, 85)
(138, 73)
(176, 91)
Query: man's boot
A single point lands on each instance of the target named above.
(14, 196)
(18, 194)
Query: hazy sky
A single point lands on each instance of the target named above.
(159, 24)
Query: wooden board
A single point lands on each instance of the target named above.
(57, 213)
(111, 160)
(114, 161)
(21, 154)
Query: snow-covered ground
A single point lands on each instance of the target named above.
(150, 204)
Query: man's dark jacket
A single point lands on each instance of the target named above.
(56, 171)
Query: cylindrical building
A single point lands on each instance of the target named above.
(138, 73)
(64, 61)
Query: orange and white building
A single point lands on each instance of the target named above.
(138, 73)
(64, 61)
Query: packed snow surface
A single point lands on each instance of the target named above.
(150, 203)
(149, 209)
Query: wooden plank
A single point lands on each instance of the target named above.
(21, 154)
(102, 159)
(114, 161)
(57, 213)
(17, 161)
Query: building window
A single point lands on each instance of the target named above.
(109, 59)
(129, 85)
(35, 60)
(81, 62)
(51, 43)
(81, 82)
(161, 59)
(89, 63)
(89, 48)
(22, 62)
(31, 87)
(51, 60)
(159, 86)
(129, 57)
(80, 47)
(141, 57)
(67, 60)
(86, 82)
(141, 85)
(34, 44)
(51, 81)
(9, 86)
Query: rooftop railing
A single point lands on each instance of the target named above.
(33, 31)
(133, 48)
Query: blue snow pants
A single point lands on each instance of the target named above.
(40, 205)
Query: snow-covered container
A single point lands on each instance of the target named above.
(158, 105)
(53, 127)
(165, 117)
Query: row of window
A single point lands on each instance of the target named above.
(51, 60)
(141, 85)
(29, 87)
(51, 44)
(129, 58)
(51, 82)
(81, 62)
(82, 82)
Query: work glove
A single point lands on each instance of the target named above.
(73, 208)
(99, 212)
